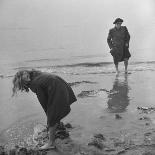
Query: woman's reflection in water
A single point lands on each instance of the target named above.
(118, 99)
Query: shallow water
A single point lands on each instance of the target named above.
(100, 92)
(77, 51)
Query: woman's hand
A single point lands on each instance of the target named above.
(126, 44)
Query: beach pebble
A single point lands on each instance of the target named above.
(146, 109)
(109, 150)
(100, 136)
(2, 150)
(62, 134)
(144, 118)
(68, 125)
(147, 124)
(147, 134)
(142, 108)
(61, 126)
(22, 151)
(83, 153)
(117, 116)
(97, 143)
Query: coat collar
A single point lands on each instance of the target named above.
(117, 29)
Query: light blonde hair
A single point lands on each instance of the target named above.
(19, 84)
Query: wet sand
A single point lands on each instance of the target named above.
(108, 106)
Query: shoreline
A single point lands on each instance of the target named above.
(99, 104)
(125, 141)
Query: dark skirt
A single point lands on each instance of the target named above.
(126, 54)
(55, 96)
(59, 101)
(118, 57)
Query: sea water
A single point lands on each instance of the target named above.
(72, 46)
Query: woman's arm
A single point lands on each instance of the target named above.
(127, 37)
(109, 40)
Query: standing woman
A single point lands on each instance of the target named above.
(118, 41)
(53, 93)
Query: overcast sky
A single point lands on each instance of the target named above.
(73, 24)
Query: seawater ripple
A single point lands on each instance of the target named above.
(81, 82)
(77, 69)
(99, 64)
(92, 93)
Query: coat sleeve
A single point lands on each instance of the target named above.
(42, 97)
(109, 39)
(127, 35)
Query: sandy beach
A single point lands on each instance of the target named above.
(116, 106)
(114, 114)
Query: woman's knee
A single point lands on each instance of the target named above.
(116, 62)
(125, 59)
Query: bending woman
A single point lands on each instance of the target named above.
(53, 93)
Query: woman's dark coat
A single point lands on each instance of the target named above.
(116, 41)
(54, 95)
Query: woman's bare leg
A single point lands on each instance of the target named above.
(51, 142)
(116, 66)
(52, 131)
(126, 65)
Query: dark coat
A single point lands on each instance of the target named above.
(54, 95)
(116, 41)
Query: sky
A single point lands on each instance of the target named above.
(73, 25)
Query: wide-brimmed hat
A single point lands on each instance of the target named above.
(118, 20)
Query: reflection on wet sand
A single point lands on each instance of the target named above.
(118, 98)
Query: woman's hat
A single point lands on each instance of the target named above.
(118, 20)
